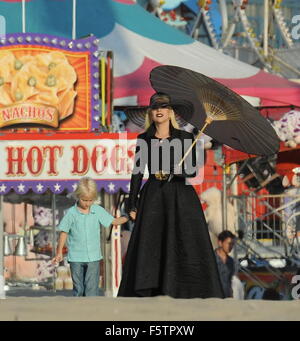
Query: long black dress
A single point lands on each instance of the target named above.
(170, 251)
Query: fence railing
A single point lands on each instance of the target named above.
(269, 223)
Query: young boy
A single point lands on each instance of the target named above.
(81, 226)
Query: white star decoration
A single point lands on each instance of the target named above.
(57, 187)
(39, 187)
(128, 186)
(111, 187)
(74, 186)
(3, 188)
(21, 188)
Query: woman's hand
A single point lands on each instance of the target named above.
(132, 215)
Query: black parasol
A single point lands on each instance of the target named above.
(223, 114)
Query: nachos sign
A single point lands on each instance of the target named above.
(49, 82)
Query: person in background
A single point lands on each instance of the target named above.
(271, 294)
(80, 227)
(225, 262)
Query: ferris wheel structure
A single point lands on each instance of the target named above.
(261, 47)
(205, 16)
(223, 37)
(281, 23)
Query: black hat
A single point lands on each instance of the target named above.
(158, 100)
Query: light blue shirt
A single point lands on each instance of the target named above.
(84, 232)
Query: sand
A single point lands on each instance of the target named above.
(145, 309)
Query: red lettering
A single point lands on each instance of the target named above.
(35, 160)
(50, 114)
(53, 151)
(99, 163)
(31, 111)
(130, 159)
(6, 115)
(80, 160)
(13, 161)
(118, 159)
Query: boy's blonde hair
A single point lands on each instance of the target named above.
(86, 187)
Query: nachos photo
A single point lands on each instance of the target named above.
(36, 89)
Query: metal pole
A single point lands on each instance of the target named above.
(23, 17)
(234, 188)
(74, 20)
(266, 27)
(54, 236)
(229, 34)
(234, 191)
(2, 291)
(224, 197)
(107, 204)
(224, 14)
(288, 66)
(196, 24)
(13, 213)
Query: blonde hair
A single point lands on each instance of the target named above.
(86, 187)
(149, 121)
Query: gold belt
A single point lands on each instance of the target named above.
(161, 175)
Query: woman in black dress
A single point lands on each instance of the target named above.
(170, 251)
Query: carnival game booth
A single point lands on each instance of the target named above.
(54, 106)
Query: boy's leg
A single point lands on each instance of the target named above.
(77, 273)
(91, 281)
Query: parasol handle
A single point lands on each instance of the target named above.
(207, 122)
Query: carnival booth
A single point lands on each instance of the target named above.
(55, 103)
(265, 194)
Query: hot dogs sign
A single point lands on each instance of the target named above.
(49, 82)
(57, 165)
